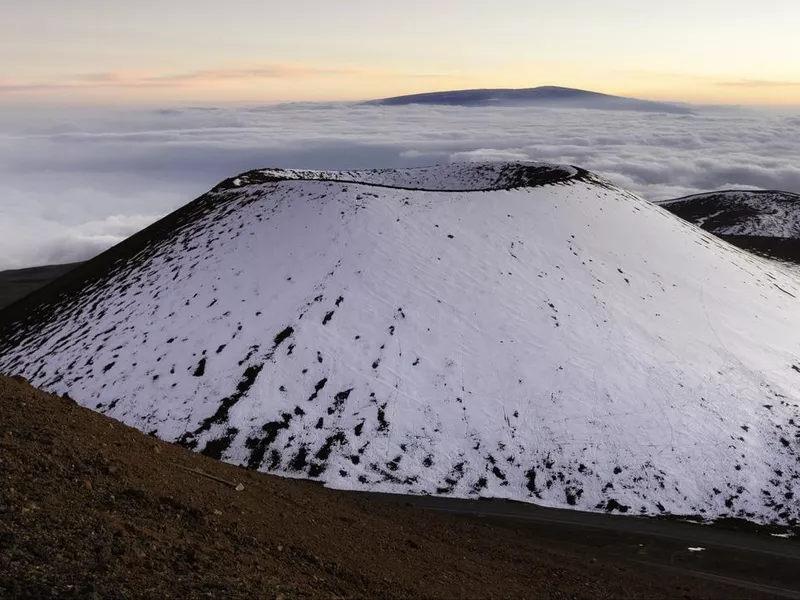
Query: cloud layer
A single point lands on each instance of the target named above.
(72, 184)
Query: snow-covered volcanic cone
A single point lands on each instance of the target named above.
(516, 330)
(743, 213)
(765, 222)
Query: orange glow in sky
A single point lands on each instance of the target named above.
(245, 51)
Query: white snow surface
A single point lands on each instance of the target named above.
(742, 212)
(567, 344)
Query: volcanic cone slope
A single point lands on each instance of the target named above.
(743, 213)
(516, 330)
(765, 222)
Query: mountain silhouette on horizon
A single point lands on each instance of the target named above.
(548, 96)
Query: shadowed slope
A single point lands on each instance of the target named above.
(18, 283)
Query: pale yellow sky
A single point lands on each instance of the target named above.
(168, 52)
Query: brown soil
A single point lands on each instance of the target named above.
(90, 508)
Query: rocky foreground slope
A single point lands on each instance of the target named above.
(90, 508)
(510, 330)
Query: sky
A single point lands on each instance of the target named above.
(184, 52)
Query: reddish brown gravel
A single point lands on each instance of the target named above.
(90, 508)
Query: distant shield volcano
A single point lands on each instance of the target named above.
(546, 96)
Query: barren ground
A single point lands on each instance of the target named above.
(90, 508)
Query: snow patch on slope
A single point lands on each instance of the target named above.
(557, 341)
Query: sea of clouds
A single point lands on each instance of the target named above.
(73, 183)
